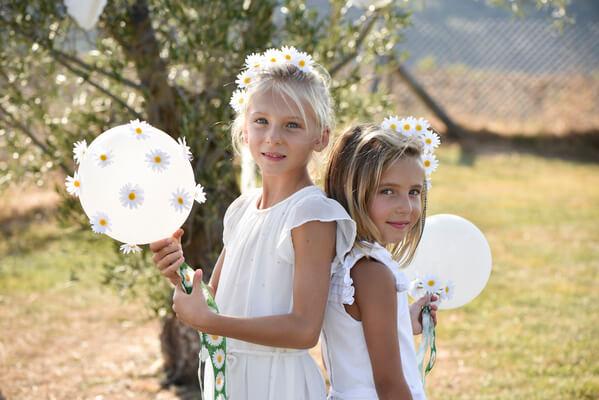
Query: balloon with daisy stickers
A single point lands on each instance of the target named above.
(136, 184)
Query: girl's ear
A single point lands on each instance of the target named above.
(323, 142)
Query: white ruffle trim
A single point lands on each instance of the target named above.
(342, 288)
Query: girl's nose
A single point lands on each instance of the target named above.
(404, 205)
(273, 136)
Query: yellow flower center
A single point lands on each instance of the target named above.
(406, 127)
(247, 80)
(287, 57)
(427, 163)
(132, 196)
(302, 63)
(103, 222)
(257, 65)
(138, 130)
(219, 380)
(446, 289)
(418, 127)
(103, 157)
(393, 126)
(428, 141)
(76, 184)
(157, 159)
(219, 358)
(273, 59)
(180, 200)
(431, 282)
(215, 337)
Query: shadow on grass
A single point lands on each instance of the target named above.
(579, 147)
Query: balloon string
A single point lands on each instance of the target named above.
(428, 342)
(205, 344)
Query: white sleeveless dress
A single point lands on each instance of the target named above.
(257, 280)
(344, 345)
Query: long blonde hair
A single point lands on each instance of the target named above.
(311, 88)
(357, 161)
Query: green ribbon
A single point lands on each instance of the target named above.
(216, 346)
(428, 341)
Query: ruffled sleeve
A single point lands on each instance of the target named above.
(342, 285)
(234, 212)
(318, 208)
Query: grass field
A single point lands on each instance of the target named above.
(532, 334)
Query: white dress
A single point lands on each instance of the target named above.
(257, 280)
(344, 345)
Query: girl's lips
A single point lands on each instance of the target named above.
(273, 156)
(399, 225)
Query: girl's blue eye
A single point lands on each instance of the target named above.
(387, 191)
(415, 192)
(293, 125)
(261, 121)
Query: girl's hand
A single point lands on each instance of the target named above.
(168, 256)
(416, 312)
(192, 309)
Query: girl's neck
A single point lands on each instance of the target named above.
(276, 189)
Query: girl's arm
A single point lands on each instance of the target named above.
(376, 298)
(314, 247)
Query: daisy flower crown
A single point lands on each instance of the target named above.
(259, 62)
(419, 130)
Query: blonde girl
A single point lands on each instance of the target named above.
(272, 278)
(379, 174)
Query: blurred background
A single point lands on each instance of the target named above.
(511, 85)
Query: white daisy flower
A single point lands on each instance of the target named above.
(200, 195)
(131, 196)
(204, 354)
(431, 141)
(289, 53)
(255, 61)
(220, 397)
(273, 57)
(139, 129)
(79, 150)
(214, 340)
(304, 62)
(447, 290)
(421, 126)
(239, 100)
(219, 381)
(185, 149)
(430, 163)
(218, 358)
(431, 284)
(158, 160)
(130, 248)
(408, 126)
(181, 200)
(103, 157)
(73, 184)
(416, 290)
(428, 183)
(100, 223)
(246, 78)
(188, 277)
(391, 123)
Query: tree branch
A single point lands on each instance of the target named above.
(12, 121)
(366, 28)
(93, 68)
(85, 76)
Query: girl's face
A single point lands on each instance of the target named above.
(279, 138)
(396, 205)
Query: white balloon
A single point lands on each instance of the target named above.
(85, 12)
(143, 187)
(453, 249)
